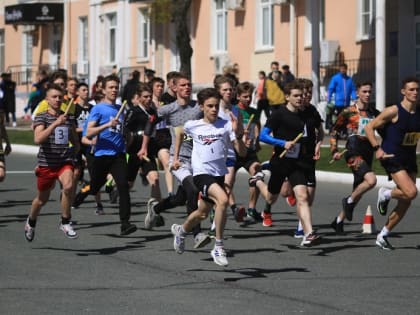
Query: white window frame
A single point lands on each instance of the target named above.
(27, 55)
(83, 52)
(111, 37)
(264, 41)
(2, 48)
(219, 25)
(369, 32)
(143, 28)
(55, 45)
(308, 21)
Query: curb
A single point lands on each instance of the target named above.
(322, 176)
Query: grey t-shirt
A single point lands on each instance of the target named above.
(178, 115)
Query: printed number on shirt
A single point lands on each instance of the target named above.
(61, 135)
(117, 128)
(363, 121)
(411, 138)
(212, 149)
(293, 153)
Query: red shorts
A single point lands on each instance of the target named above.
(46, 176)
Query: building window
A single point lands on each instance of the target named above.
(366, 16)
(265, 25)
(220, 23)
(27, 58)
(83, 53)
(2, 49)
(55, 46)
(111, 40)
(308, 21)
(144, 34)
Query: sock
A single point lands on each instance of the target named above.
(219, 243)
(384, 232)
(267, 208)
(213, 226)
(233, 207)
(250, 211)
(300, 227)
(387, 194)
(183, 232)
(31, 222)
(65, 220)
(338, 220)
(349, 199)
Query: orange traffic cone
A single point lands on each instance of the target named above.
(368, 222)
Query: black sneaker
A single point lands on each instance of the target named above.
(252, 216)
(159, 221)
(337, 227)
(252, 181)
(348, 208)
(128, 228)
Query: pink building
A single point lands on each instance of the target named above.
(378, 39)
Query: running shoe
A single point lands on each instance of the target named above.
(239, 214)
(150, 219)
(127, 228)
(382, 203)
(267, 221)
(252, 216)
(299, 234)
(179, 238)
(337, 227)
(348, 208)
(201, 240)
(68, 230)
(252, 181)
(219, 256)
(291, 200)
(382, 242)
(29, 231)
(99, 209)
(310, 239)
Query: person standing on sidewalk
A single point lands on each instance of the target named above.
(54, 131)
(110, 149)
(399, 127)
(359, 152)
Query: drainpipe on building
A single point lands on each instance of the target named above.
(292, 62)
(315, 57)
(380, 47)
(66, 34)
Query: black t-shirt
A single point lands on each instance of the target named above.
(167, 98)
(312, 121)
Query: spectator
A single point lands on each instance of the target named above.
(9, 97)
(274, 66)
(149, 74)
(286, 76)
(131, 87)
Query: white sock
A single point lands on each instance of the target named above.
(339, 219)
(387, 194)
(384, 232)
(213, 226)
(349, 199)
(300, 227)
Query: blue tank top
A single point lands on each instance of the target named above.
(401, 138)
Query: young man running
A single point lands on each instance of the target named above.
(53, 132)
(359, 154)
(211, 136)
(399, 126)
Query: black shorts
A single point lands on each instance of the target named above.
(203, 183)
(394, 165)
(2, 159)
(163, 139)
(297, 172)
(134, 164)
(246, 162)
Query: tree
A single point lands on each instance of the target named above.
(176, 11)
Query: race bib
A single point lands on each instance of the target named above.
(293, 153)
(363, 121)
(117, 128)
(61, 135)
(411, 138)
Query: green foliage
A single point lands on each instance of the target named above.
(162, 11)
(20, 136)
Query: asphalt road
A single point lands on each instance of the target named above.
(268, 273)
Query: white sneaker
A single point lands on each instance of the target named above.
(201, 240)
(219, 256)
(179, 239)
(383, 243)
(29, 231)
(150, 219)
(68, 230)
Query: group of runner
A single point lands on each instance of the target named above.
(210, 139)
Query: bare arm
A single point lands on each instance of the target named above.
(41, 133)
(94, 130)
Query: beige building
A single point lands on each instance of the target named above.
(378, 39)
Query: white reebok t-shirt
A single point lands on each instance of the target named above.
(210, 145)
